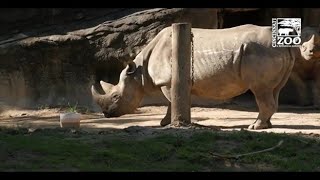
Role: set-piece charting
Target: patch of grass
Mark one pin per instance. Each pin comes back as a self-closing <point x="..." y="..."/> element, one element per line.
<point x="43" y="107"/>
<point x="75" y="108"/>
<point x="65" y="150"/>
<point x="72" y="108"/>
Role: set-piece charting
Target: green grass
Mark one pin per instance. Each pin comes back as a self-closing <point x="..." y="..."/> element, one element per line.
<point x="72" y="108"/>
<point x="62" y="150"/>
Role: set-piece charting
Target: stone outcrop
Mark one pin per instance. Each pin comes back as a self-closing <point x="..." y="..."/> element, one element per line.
<point x="54" y="63"/>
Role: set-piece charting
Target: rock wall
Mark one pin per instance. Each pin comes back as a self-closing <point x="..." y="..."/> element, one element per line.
<point x="53" y="61"/>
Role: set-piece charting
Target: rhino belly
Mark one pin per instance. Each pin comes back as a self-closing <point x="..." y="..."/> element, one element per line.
<point x="218" y="88"/>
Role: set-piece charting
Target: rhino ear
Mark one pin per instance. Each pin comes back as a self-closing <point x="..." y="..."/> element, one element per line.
<point x="131" y="69"/>
<point x="106" y="86"/>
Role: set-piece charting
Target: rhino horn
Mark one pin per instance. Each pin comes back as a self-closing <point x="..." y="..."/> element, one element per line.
<point x="311" y="39"/>
<point x="106" y="86"/>
<point x="131" y="68"/>
<point x="95" y="94"/>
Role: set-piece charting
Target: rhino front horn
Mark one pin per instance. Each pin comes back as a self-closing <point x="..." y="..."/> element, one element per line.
<point x="95" y="94"/>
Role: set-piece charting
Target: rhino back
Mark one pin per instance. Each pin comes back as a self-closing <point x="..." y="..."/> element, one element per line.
<point x="231" y="38"/>
<point x="221" y="68"/>
<point x="213" y="50"/>
<point x="218" y="56"/>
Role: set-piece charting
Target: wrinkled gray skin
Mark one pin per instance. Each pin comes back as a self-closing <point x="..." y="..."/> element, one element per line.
<point x="227" y="62"/>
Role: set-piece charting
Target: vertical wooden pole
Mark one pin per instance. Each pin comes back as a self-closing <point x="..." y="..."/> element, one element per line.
<point x="181" y="83"/>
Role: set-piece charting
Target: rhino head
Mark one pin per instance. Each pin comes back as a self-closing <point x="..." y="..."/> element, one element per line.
<point x="310" y="47"/>
<point x="122" y="98"/>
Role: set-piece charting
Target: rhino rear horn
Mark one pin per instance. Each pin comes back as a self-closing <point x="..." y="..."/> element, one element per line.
<point x="131" y="68"/>
<point x="106" y="86"/>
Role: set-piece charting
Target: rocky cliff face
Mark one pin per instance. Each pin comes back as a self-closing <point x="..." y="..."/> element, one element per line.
<point x="51" y="56"/>
<point x="56" y="59"/>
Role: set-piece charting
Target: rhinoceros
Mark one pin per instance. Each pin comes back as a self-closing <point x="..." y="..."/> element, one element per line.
<point x="227" y="63"/>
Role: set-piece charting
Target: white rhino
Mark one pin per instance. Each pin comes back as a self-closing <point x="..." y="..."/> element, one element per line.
<point x="284" y="31"/>
<point x="227" y="63"/>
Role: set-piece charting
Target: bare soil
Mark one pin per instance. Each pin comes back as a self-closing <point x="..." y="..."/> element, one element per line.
<point x="289" y="119"/>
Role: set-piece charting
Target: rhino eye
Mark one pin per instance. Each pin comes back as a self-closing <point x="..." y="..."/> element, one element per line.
<point x="115" y="97"/>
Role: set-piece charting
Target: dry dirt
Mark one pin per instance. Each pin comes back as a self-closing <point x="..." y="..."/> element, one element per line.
<point x="289" y="119"/>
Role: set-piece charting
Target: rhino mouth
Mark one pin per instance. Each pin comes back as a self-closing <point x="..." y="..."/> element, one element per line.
<point x="107" y="115"/>
<point x="110" y="115"/>
<point x="310" y="56"/>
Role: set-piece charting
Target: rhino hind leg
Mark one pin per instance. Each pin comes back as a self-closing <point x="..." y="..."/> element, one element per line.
<point x="276" y="93"/>
<point x="267" y="107"/>
<point x="268" y="103"/>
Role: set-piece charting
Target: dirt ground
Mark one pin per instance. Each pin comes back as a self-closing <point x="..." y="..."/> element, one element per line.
<point x="288" y="119"/>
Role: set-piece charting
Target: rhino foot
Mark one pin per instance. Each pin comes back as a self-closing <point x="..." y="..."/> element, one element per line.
<point x="258" y="124"/>
<point x="165" y="121"/>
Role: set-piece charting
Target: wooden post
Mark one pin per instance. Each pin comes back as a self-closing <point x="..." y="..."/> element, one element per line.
<point x="181" y="83"/>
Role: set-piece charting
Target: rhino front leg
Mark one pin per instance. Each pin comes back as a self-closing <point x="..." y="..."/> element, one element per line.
<point x="167" y="118"/>
<point x="267" y="107"/>
<point x="316" y="87"/>
<point x="302" y="96"/>
<point x="316" y="93"/>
